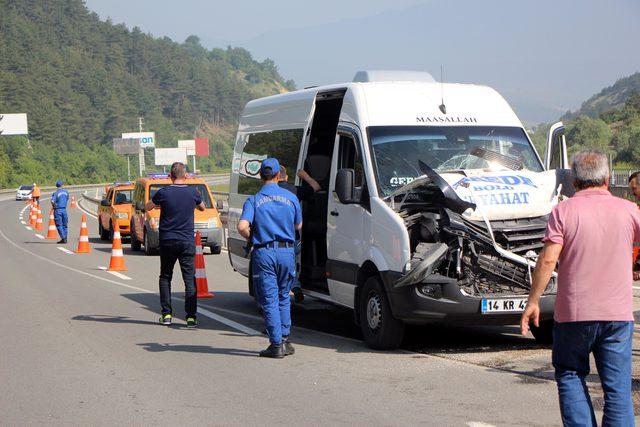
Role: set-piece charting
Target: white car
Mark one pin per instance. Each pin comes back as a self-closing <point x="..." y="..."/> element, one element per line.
<point x="24" y="192"/>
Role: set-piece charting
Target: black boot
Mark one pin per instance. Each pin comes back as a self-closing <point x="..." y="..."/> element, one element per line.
<point x="61" y="241"/>
<point x="274" y="351"/>
<point x="288" y="347"/>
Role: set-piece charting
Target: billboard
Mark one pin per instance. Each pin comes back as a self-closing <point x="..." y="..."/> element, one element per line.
<point x="189" y="145"/>
<point x="166" y="156"/>
<point x="126" y="146"/>
<point x="13" y="124"/>
<point x="147" y="139"/>
<point x="202" y="147"/>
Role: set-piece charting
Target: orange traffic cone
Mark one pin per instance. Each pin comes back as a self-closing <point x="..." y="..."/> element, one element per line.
<point x="33" y="215"/>
<point x="73" y="202"/>
<point x="202" y="286"/>
<point x="38" y="219"/>
<point x="52" y="233"/>
<point x="117" y="258"/>
<point x="83" y="241"/>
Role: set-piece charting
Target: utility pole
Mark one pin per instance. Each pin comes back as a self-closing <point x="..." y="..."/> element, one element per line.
<point x="141" y="150"/>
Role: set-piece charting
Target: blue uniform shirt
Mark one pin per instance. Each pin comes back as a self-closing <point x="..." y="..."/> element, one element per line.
<point x="272" y="213"/>
<point x="60" y="198"/>
<point x="177" y="203"/>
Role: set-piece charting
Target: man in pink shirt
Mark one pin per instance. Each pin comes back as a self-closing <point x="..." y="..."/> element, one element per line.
<point x="591" y="236"/>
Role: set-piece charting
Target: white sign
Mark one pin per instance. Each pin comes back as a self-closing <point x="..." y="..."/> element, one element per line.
<point x="167" y="156"/>
<point x="147" y="139"/>
<point x="189" y="145"/>
<point x="250" y="165"/>
<point x="13" y="124"/>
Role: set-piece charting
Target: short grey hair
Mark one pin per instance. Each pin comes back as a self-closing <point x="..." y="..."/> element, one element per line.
<point x="590" y="169"/>
<point x="178" y="170"/>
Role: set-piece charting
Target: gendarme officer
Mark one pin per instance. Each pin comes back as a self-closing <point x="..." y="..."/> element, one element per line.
<point x="270" y="219"/>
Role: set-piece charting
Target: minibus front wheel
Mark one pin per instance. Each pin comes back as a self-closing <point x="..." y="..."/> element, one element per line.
<point x="381" y="331"/>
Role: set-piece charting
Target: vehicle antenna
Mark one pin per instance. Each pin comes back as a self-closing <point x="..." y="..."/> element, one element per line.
<point x="442" y="107"/>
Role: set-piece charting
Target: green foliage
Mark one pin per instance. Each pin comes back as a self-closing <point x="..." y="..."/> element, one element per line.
<point x="615" y="132"/>
<point x="83" y="81"/>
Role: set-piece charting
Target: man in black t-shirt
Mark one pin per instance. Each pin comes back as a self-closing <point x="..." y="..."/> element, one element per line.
<point x="177" y="202"/>
<point x="302" y="192"/>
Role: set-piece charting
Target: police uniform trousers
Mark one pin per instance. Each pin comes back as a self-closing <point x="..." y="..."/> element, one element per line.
<point x="61" y="219"/>
<point x="274" y="271"/>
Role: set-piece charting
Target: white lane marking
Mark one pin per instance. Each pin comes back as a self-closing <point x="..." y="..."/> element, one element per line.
<point x="81" y="206"/>
<point x="23" y="223"/>
<point x="115" y="273"/>
<point x="28" y="228"/>
<point x="479" y="424"/>
<point x="205" y="313"/>
<point x="65" y="250"/>
<point x="39" y="236"/>
<point x="228" y="322"/>
<point x="636" y="287"/>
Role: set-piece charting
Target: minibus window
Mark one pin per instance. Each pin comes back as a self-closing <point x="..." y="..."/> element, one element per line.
<point x="397" y="149"/>
<point x="284" y="145"/>
<point x="202" y="189"/>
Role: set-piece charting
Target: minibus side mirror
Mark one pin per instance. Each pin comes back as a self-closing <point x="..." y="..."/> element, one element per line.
<point x="219" y="205"/>
<point x="344" y="185"/>
<point x="140" y="206"/>
<point x="105" y="202"/>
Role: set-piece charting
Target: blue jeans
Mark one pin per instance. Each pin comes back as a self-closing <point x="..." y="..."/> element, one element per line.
<point x="61" y="219"/>
<point x="274" y="270"/>
<point x="610" y="343"/>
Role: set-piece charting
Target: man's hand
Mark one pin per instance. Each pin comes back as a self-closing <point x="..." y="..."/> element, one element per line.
<point x="531" y="312"/>
<point x="307" y="178"/>
<point x="201" y="207"/>
<point x="244" y="228"/>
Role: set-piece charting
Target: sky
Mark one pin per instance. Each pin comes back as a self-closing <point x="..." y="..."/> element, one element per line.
<point x="544" y="56"/>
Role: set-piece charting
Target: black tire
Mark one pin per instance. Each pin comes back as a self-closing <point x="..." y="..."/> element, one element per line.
<point x="135" y="243"/>
<point x="543" y="333"/>
<point x="380" y="330"/>
<point x="147" y="249"/>
<point x="215" y="250"/>
<point x="110" y="232"/>
<point x="104" y="234"/>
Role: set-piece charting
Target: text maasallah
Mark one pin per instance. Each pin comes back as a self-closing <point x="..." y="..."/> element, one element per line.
<point x="443" y="119"/>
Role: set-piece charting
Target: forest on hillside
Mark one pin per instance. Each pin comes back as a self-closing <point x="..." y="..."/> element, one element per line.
<point x="83" y="81"/>
<point x="615" y="132"/>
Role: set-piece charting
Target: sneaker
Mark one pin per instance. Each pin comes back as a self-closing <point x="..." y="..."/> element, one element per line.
<point x="289" y="349"/>
<point x="165" y="319"/>
<point x="191" y="322"/>
<point x="274" y="351"/>
<point x="61" y="241"/>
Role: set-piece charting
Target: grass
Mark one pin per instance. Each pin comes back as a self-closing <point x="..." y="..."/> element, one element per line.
<point x="220" y="187"/>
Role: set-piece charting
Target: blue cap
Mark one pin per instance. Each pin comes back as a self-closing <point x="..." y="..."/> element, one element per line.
<point x="269" y="167"/>
<point x="59" y="183"/>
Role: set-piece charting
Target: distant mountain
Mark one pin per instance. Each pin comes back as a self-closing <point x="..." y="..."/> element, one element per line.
<point x="545" y="56"/>
<point x="83" y="81"/>
<point x="612" y="97"/>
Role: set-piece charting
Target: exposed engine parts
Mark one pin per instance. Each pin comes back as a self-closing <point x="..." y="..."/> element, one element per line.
<point x="445" y="243"/>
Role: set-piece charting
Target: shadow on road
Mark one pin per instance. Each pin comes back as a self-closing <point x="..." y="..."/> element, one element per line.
<point x="112" y="319"/>
<point x="205" y="349"/>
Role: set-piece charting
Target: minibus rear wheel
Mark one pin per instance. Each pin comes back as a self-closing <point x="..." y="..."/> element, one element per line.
<point x="381" y="331"/>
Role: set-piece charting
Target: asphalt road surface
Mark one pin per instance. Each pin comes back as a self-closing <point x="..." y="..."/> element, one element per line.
<point x="81" y="346"/>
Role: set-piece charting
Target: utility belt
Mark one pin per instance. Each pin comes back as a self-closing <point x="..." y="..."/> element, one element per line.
<point x="275" y="244"/>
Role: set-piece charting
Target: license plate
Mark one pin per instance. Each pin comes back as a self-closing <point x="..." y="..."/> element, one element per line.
<point x="503" y="305"/>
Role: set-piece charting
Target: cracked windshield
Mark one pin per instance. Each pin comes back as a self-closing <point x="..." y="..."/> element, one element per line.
<point x="397" y="150"/>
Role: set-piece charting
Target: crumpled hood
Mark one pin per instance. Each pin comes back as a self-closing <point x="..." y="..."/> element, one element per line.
<point x="506" y="194"/>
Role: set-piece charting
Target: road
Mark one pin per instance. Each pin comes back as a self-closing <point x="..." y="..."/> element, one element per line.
<point x="82" y="346"/>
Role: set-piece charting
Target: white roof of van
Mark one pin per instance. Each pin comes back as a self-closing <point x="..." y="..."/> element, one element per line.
<point x="387" y="103"/>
